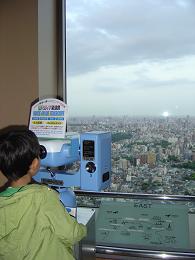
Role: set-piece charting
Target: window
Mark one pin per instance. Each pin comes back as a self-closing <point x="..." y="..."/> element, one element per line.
<point x="130" y="70"/>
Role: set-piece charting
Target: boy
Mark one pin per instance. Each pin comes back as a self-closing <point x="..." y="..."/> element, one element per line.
<point x="34" y="225"/>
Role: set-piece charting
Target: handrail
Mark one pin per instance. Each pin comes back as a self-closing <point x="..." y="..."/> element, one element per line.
<point x="139" y="253"/>
<point x="134" y="195"/>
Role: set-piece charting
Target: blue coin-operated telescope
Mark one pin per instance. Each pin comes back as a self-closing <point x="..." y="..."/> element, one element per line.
<point x="91" y="151"/>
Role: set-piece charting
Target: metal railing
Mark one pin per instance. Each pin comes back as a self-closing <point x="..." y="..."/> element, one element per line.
<point x="134" y="195"/>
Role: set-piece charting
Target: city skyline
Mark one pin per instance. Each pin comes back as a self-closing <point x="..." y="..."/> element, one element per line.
<point x="131" y="58"/>
<point x="149" y="155"/>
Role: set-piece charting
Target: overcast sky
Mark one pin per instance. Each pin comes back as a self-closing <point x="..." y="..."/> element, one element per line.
<point x="131" y="57"/>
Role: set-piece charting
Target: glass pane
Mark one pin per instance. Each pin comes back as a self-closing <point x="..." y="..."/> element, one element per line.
<point x="130" y="70"/>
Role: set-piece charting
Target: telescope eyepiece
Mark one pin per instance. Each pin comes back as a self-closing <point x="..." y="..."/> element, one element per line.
<point x="43" y="152"/>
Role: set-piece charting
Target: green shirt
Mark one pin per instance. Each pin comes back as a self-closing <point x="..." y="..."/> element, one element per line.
<point x="10" y="191"/>
<point x="34" y="225"/>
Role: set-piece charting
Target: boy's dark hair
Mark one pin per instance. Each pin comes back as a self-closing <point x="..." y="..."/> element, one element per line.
<point x="17" y="151"/>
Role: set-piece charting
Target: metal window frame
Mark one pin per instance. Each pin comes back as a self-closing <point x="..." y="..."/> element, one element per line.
<point x="61" y="38"/>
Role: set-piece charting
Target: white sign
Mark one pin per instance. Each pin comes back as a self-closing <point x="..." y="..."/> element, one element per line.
<point x="48" y="118"/>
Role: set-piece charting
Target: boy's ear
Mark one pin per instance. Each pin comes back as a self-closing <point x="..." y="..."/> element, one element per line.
<point x="34" y="166"/>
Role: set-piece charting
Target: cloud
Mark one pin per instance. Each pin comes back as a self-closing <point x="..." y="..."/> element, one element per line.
<point x="145" y="75"/>
<point x="131" y="57"/>
<point x="127" y="32"/>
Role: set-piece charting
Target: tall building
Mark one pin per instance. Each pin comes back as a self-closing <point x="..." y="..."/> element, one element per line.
<point x="151" y="159"/>
<point x="143" y="159"/>
<point x="193" y="154"/>
<point x="123" y="164"/>
<point x="193" y="137"/>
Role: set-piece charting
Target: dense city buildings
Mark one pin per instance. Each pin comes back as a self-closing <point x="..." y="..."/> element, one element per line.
<point x="149" y="154"/>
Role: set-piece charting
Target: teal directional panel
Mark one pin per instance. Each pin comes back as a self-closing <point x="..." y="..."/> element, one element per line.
<point x="143" y="223"/>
